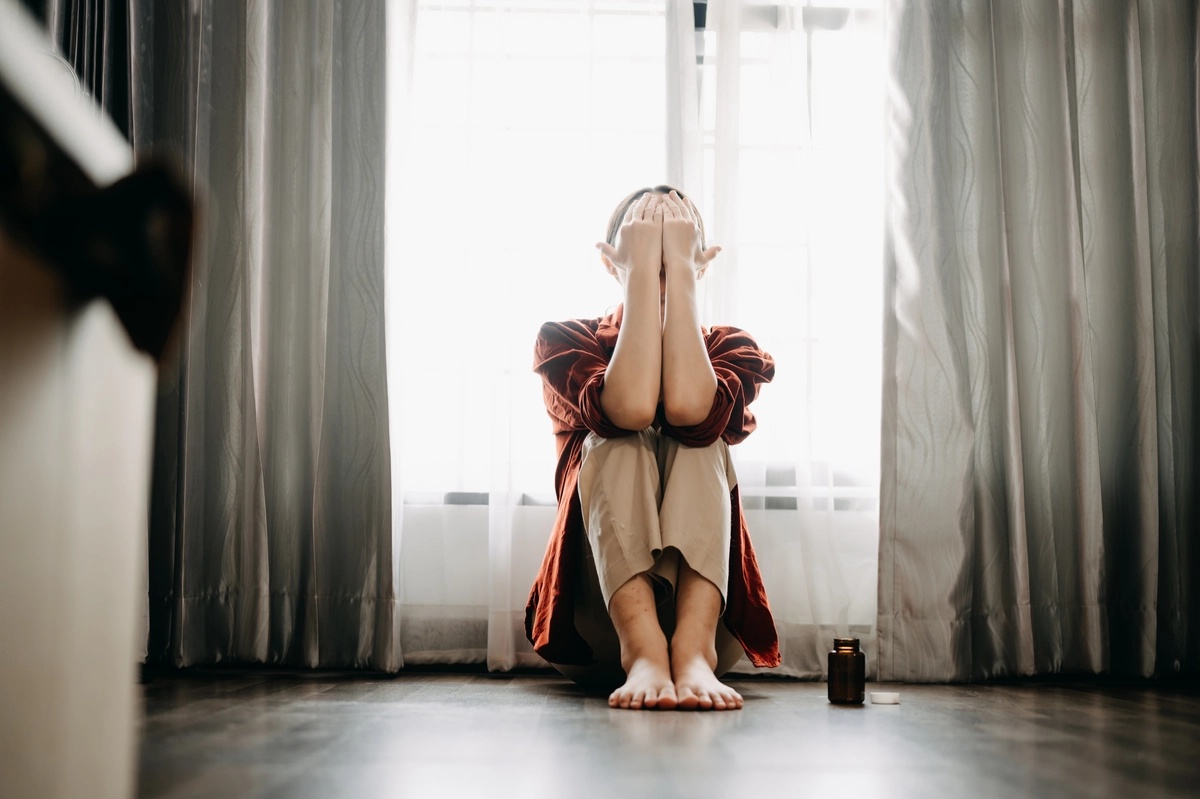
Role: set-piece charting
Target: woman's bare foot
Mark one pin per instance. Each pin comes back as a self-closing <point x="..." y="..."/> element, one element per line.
<point x="696" y="686"/>
<point x="647" y="685"/>
<point x="643" y="649"/>
<point x="693" y="646"/>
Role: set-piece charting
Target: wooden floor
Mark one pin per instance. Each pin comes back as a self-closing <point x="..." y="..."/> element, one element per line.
<point x="260" y="734"/>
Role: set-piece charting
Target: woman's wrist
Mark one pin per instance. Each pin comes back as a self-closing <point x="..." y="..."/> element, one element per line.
<point x="641" y="277"/>
<point x="681" y="270"/>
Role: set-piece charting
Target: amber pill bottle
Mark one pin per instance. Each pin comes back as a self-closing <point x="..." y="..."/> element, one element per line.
<point x="847" y="672"/>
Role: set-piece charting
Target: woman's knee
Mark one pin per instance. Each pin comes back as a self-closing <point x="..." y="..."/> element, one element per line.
<point x="716" y="451"/>
<point x="640" y="442"/>
<point x="604" y="459"/>
<point x="701" y="465"/>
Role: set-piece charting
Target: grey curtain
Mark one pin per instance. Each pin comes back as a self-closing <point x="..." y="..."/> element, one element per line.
<point x="1040" y="422"/>
<point x="271" y="528"/>
<point x="93" y="37"/>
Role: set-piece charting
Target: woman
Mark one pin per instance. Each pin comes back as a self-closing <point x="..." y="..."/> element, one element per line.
<point x="649" y="579"/>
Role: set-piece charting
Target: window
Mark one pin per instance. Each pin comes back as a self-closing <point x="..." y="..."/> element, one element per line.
<point x="809" y="166"/>
<point x="529" y="122"/>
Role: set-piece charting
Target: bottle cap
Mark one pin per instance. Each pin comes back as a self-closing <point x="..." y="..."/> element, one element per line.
<point x="885" y="698"/>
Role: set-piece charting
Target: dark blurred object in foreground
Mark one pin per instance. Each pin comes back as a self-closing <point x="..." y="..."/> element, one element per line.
<point x="129" y="242"/>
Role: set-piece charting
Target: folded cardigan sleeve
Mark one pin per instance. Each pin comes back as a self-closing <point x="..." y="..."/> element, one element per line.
<point x="572" y="361"/>
<point x="741" y="368"/>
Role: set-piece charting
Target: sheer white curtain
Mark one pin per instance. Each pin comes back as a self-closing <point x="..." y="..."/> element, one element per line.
<point x="526" y="122"/>
<point x="519" y="125"/>
<point x="791" y="115"/>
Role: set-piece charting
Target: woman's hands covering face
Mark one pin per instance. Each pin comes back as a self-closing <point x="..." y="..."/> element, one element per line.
<point x="681" y="242"/>
<point x="639" y="239"/>
<point x="657" y="231"/>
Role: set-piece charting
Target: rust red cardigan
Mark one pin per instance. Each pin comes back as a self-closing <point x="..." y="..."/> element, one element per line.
<point x="571" y="358"/>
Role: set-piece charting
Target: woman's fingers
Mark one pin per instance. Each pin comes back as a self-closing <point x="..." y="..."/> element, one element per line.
<point x="643" y="205"/>
<point x="681" y="233"/>
<point x="646" y="205"/>
<point x="679" y="212"/>
<point x="670" y="209"/>
<point x="684" y="207"/>
<point x="639" y="239"/>
<point x="635" y="209"/>
<point x="692" y="211"/>
<point x="680" y="209"/>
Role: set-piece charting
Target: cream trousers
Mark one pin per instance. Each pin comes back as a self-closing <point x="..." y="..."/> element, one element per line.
<point x="647" y="502"/>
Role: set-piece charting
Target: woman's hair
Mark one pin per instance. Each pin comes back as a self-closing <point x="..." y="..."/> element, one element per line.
<point x="614" y="222"/>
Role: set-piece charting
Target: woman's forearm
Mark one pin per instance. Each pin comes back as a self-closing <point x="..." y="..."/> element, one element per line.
<point x="689" y="383"/>
<point x="632" y="381"/>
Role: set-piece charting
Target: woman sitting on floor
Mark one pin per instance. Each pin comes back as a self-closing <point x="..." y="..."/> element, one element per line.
<point x="650" y="548"/>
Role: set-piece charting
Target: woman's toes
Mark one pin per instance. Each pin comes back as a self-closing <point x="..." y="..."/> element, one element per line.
<point x="647" y="682"/>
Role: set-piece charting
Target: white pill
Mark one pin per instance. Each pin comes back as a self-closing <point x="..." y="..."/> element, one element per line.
<point x="885" y="698"/>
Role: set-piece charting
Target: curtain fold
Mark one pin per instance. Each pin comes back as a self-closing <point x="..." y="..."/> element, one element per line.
<point x="271" y="522"/>
<point x="1038" y="507"/>
<point x="684" y="146"/>
<point x="93" y="36"/>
